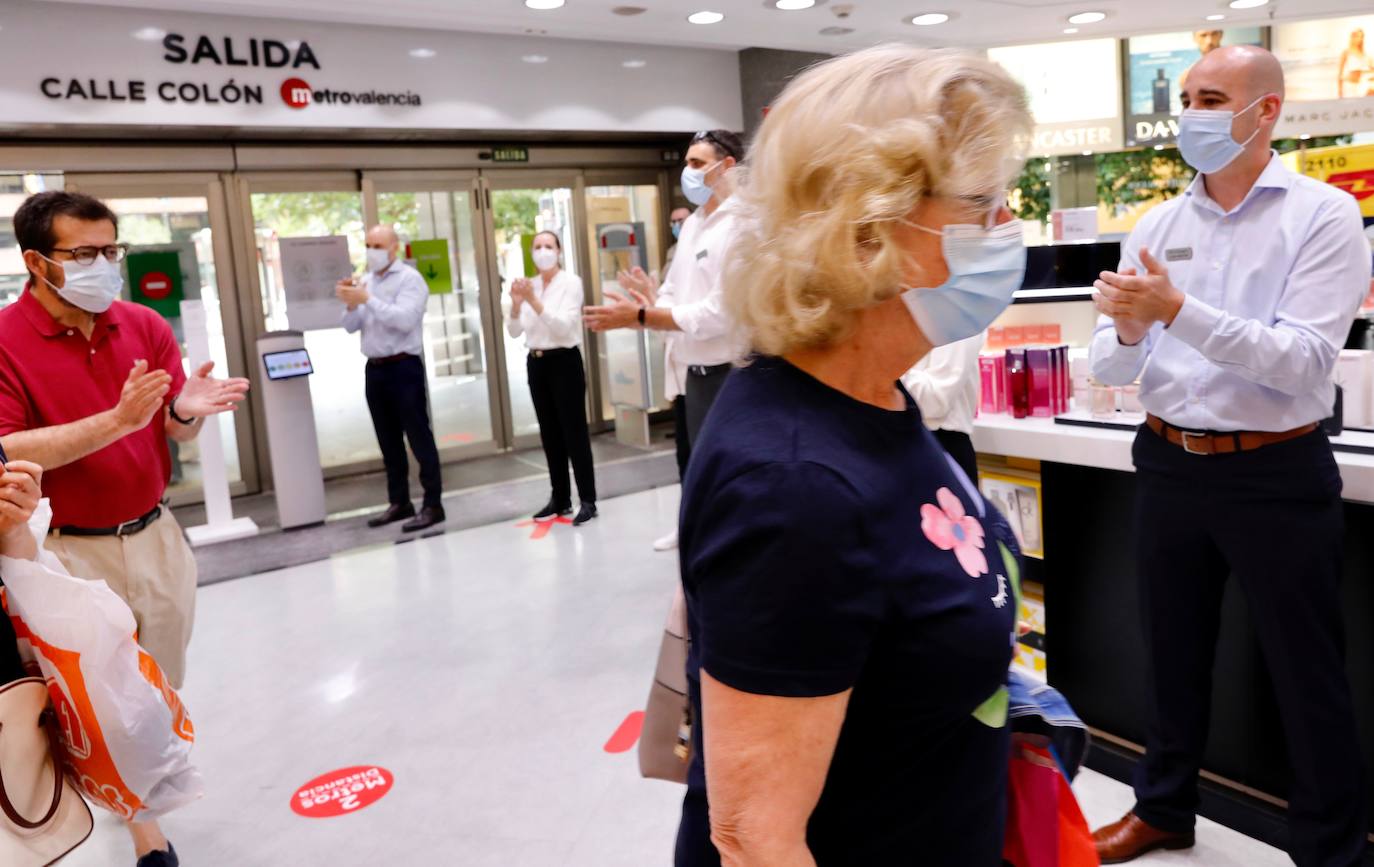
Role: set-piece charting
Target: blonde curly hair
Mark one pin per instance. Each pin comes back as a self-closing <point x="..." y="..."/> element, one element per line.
<point x="851" y="147"/>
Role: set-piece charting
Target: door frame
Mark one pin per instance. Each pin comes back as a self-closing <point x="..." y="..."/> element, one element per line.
<point x="496" y="180"/>
<point x="211" y="187"/>
<point x="455" y="181"/>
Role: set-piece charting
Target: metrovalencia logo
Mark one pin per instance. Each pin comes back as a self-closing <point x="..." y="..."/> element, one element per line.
<point x="297" y="94"/>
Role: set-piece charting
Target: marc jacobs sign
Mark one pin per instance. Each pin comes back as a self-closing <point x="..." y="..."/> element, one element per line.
<point x="249" y="54"/>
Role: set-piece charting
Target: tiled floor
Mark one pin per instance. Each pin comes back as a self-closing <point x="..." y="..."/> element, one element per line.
<point x="485" y="669"/>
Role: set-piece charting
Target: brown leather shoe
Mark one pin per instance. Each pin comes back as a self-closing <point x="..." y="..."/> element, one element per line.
<point x="1132" y="837"/>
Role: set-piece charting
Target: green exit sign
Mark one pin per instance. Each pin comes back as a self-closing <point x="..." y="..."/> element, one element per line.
<point x="510" y="154"/>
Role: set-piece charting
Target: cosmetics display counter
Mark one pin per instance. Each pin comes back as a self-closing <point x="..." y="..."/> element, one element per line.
<point x="1092" y="640"/>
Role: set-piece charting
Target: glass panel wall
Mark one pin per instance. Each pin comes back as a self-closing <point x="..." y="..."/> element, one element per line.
<point x="455" y="347"/>
<point x="342" y="421"/>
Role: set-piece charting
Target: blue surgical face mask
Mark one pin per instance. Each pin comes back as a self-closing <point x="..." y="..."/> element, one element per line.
<point x="1204" y="138"/>
<point x="986" y="267"/>
<point x="93" y="288"/>
<point x="677" y="230"/>
<point x="694" y="185"/>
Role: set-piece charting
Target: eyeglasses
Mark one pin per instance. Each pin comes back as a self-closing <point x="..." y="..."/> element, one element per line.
<point x="87" y="255"/>
<point x="989" y="207"/>
<point x="708" y="136"/>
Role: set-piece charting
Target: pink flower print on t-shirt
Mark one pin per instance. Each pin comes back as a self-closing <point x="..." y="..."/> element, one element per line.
<point x="949" y="528"/>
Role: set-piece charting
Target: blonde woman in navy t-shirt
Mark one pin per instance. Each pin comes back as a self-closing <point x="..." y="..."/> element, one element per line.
<point x="851" y="596"/>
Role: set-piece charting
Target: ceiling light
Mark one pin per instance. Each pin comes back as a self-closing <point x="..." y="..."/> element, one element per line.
<point x="1217" y="17"/>
<point x="793" y="5"/>
<point x="1248" y="4"/>
<point x="149" y="34"/>
<point x="1088" y="17"/>
<point x="544" y="5"/>
<point x="1087" y="153"/>
<point x="422" y="53"/>
<point x="1305" y="136"/>
<point x="928" y="19"/>
<point x="635" y="64"/>
<point x="1070" y="30"/>
<point x="535" y="58"/>
<point x="706" y="17"/>
<point x="836" y="31"/>
<point x="1159" y="147"/>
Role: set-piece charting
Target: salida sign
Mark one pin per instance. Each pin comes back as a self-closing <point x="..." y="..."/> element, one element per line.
<point x="250" y="54"/>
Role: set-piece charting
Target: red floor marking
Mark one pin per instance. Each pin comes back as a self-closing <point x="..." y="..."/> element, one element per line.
<point x="459" y="438"/>
<point x="543" y="528"/>
<point x="341" y="792"/>
<point x="627" y="735"/>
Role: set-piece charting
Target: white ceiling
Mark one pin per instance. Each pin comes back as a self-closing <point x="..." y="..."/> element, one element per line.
<point x="975" y="23"/>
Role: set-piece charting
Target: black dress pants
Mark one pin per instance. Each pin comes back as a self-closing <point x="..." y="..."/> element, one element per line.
<point x="558" y="386"/>
<point x="959" y="445"/>
<point x="703" y="386"/>
<point x="398" y="402"/>
<point x="1273" y="518"/>
<point x="681" y="439"/>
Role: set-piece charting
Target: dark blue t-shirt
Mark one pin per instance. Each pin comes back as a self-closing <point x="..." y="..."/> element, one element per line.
<point x="829" y="544"/>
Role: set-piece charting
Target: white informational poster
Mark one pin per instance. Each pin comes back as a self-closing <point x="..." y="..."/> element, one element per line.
<point x="311" y="267"/>
<point x="1328" y="68"/>
<point x="1075" y="93"/>
<point x="1074" y="225"/>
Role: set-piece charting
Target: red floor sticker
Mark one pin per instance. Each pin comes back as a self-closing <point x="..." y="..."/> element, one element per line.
<point x="627" y="735"/>
<point x="459" y="438"/>
<point x="341" y="792"/>
<point x="542" y="528"/>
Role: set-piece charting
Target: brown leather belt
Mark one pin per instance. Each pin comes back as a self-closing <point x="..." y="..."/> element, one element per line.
<point x="1209" y="443"/>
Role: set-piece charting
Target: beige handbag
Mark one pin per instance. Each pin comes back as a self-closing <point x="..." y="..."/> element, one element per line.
<point x="665" y="744"/>
<point x="42" y="816"/>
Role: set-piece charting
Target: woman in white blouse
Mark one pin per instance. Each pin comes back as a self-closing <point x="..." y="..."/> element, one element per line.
<point x="548" y="312"/>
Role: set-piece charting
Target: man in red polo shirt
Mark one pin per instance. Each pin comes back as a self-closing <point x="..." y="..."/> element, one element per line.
<point x="91" y="388"/>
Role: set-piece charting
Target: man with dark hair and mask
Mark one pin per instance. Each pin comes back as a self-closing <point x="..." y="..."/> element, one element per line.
<point x="91" y="389"/>
<point x="702" y="344"/>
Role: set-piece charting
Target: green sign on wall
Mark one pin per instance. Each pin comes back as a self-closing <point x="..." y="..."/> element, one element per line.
<point x="155" y="281"/>
<point x="431" y="260"/>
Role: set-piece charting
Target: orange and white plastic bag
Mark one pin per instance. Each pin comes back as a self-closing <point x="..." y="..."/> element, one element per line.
<point x="127" y="734"/>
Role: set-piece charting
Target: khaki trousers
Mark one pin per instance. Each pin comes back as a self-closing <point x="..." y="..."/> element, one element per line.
<point x="154" y="571"/>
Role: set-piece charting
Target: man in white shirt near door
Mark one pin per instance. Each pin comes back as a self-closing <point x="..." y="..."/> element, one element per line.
<point x="388" y="307"/>
<point x="690" y="304"/>
<point x="1232" y="304"/>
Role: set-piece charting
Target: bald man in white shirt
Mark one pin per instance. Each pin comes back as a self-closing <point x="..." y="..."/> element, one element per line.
<point x="1232" y="304"/>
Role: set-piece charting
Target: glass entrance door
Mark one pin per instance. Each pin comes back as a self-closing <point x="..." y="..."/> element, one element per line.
<point x="287" y="214"/>
<point x="177" y="226"/>
<point x="438" y="217"/>
<point x="523" y="204"/>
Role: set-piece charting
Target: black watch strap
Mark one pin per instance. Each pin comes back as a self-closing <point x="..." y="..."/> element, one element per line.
<point x="642" y="310"/>
<point x="172" y="411"/>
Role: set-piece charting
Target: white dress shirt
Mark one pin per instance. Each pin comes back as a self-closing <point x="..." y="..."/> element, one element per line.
<point x="560" y="325"/>
<point x="693" y="292"/>
<point x="1271" y="286"/>
<point x="944" y="385"/>
<point x="393" y="319"/>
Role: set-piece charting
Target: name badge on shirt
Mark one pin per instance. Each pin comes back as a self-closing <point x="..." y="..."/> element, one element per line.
<point x="702" y="254"/>
<point x="1178" y="254"/>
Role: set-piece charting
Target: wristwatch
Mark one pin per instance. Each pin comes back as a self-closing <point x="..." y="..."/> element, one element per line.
<point x="172" y="411"/>
<point x="641" y="316"/>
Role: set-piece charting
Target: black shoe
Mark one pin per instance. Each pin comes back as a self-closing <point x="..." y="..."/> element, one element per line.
<point x="586" y="514"/>
<point x="392" y="514"/>
<point x="553" y="509"/>
<point x="159" y="858"/>
<point x="428" y="517"/>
